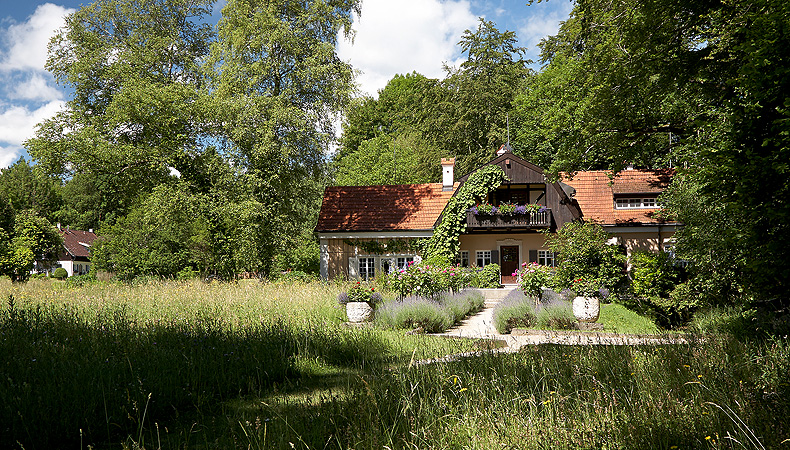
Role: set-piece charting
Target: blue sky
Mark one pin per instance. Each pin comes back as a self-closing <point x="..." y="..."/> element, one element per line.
<point x="391" y="37"/>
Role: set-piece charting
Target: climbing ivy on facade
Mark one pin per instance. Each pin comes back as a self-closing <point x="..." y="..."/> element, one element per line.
<point x="445" y="242"/>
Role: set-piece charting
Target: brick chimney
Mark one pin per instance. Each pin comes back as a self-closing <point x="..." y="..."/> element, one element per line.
<point x="448" y="178"/>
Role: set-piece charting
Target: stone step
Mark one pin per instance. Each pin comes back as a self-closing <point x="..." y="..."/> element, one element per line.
<point x="496" y="295"/>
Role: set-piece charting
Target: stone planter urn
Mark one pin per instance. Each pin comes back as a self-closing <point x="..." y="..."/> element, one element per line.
<point x="586" y="309"/>
<point x="359" y="312"/>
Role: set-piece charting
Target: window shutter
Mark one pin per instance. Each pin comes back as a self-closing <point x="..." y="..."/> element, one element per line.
<point x="353" y="265"/>
<point x="533" y="256"/>
<point x="494" y="256"/>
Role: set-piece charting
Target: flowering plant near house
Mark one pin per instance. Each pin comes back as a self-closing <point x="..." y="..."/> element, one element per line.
<point x="486" y="208"/>
<point x="427" y="280"/>
<point x="533" y="277"/>
<point x="360" y="293"/>
<point x="506" y="209"/>
<point x="586" y="287"/>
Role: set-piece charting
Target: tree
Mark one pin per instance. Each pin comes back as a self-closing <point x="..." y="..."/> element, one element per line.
<point x="274" y="99"/>
<point x="473" y="115"/>
<point x="617" y="86"/>
<point x="700" y="84"/>
<point x="134" y="67"/>
<point x="25" y="187"/>
<point x="464" y="115"/>
<point x="404" y="158"/>
<point x="245" y="126"/>
<point x="32" y="238"/>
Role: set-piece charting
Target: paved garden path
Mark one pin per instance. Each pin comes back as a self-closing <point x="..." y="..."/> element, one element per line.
<point x="480" y="326"/>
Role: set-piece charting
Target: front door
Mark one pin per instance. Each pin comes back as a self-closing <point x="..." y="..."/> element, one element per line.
<point x="508" y="262"/>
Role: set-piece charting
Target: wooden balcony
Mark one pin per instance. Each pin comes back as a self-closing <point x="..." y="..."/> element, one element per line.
<point x="535" y="220"/>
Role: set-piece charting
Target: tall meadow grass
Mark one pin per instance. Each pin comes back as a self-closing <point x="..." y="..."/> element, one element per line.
<point x="96" y="363"/>
<point x="260" y="366"/>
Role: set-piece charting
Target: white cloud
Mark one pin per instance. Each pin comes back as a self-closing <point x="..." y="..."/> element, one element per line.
<point x="9" y="155"/>
<point x="33" y="96"/>
<point x="405" y="36"/>
<point x="17" y="124"/>
<point x="543" y="20"/>
<point x="35" y="87"/>
<point x="27" y="41"/>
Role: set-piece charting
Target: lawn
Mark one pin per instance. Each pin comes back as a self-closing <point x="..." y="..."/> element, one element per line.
<point x="253" y="365"/>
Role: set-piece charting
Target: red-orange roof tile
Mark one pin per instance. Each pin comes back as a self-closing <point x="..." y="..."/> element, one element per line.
<point x="382" y="208"/>
<point x="596" y="191"/>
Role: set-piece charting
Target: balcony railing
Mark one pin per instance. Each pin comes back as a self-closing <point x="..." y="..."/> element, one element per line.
<point x="540" y="219"/>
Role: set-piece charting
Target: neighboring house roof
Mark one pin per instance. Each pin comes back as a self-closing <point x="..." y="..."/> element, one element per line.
<point x="77" y="243"/>
<point x="382" y="208"/>
<point x="596" y="192"/>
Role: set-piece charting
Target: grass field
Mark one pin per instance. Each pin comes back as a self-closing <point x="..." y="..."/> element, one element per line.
<point x="251" y="365"/>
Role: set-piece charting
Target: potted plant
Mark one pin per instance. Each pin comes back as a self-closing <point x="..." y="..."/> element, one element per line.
<point x="586" y="304"/>
<point x="360" y="301"/>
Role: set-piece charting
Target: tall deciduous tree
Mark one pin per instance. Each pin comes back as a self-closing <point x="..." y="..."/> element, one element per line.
<point x="480" y="93"/>
<point x="134" y="67"/>
<point x="25" y="187"/>
<point x="32" y="238"/>
<point x="464" y="115"/>
<point x="700" y="84"/>
<point x="277" y="85"/>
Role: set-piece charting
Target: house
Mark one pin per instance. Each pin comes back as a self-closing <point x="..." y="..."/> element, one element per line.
<point x="365" y="230"/>
<point x="75" y="257"/>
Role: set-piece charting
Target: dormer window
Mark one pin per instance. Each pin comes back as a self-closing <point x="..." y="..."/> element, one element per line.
<point x="636" y="203"/>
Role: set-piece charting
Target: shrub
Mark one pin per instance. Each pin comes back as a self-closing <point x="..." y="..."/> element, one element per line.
<point x="414" y="312"/>
<point x="81" y="280"/>
<point x="533" y="277"/>
<point x="584" y="254"/>
<point x="463" y="303"/>
<point x="653" y="274"/>
<point x="426" y="280"/>
<point x="60" y="273"/>
<point x="516" y="310"/>
<point x="186" y="274"/>
<point x="297" y="276"/>
<point x="555" y="315"/>
<point x="486" y="278"/>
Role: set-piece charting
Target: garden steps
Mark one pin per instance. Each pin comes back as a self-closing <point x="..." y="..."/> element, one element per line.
<point x="481" y="325"/>
<point x="495" y="295"/>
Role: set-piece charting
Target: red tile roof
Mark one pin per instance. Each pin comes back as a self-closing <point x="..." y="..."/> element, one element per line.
<point x="418" y="206"/>
<point x="596" y="191"/>
<point x="382" y="208"/>
<point x="78" y="242"/>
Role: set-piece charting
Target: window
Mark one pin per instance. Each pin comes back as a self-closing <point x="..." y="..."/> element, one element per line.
<point x="387" y="265"/>
<point x="636" y="203"/>
<point x="483" y="258"/>
<point x="546" y="258"/>
<point x="462" y="259"/>
<point x="677" y="262"/>
<point x="405" y="261"/>
<point x="367" y="268"/>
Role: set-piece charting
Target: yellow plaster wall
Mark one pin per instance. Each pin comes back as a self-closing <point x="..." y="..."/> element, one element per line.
<point x="528" y="241"/>
<point x="642" y="241"/>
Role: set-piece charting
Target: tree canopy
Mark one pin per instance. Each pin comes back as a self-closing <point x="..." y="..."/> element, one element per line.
<point x="463" y="115"/>
<point x="698" y="85"/>
<point x="168" y="113"/>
